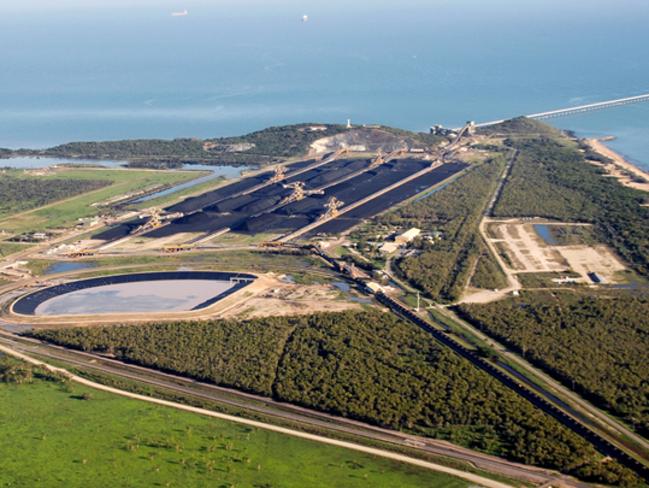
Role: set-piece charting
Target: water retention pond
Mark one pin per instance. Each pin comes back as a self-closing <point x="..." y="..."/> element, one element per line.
<point x="178" y="291"/>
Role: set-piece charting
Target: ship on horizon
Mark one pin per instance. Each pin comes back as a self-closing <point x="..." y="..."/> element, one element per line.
<point x="184" y="13"/>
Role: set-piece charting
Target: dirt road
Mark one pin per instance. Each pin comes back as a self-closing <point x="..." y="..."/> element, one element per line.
<point x="473" y="478"/>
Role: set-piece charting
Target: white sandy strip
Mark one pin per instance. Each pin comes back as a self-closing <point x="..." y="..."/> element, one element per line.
<point x="473" y="478"/>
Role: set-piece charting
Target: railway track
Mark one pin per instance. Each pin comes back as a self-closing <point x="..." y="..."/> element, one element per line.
<point x="600" y="443"/>
<point x="284" y="412"/>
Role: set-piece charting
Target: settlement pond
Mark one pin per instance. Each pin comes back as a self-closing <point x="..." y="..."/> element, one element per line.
<point x="545" y="232"/>
<point x="68" y="267"/>
<point x="178" y="291"/>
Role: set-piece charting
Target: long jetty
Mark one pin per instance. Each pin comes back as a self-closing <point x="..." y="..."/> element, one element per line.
<point x="578" y="109"/>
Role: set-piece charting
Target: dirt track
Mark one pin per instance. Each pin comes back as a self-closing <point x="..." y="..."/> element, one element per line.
<point x="473" y="478"/>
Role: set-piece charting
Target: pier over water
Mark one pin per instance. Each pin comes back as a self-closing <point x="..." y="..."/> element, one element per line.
<point x="578" y="109"/>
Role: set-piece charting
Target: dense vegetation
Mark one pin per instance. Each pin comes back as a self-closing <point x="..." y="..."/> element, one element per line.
<point x="520" y="126"/>
<point x="598" y="344"/>
<point x="81" y="437"/>
<point x="259" y="147"/>
<point x="237" y="354"/>
<point x="551" y="179"/>
<point x="13" y="371"/>
<point x="364" y="365"/>
<point x="442" y="267"/>
<point x="284" y="141"/>
<point x="488" y="274"/>
<point x="19" y="193"/>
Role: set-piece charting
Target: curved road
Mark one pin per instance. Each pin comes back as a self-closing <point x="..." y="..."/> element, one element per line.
<point x="287" y="412"/>
<point x="473" y="478"/>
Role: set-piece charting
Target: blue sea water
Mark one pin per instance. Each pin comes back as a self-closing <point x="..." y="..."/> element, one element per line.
<point x="108" y="69"/>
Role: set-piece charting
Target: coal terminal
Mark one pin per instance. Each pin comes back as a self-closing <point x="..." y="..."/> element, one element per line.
<point x="272" y="207"/>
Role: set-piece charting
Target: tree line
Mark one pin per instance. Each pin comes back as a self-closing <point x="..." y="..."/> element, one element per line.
<point x="366" y="365"/>
<point x="595" y="344"/>
<point x="19" y="193"/>
<point x="260" y="147"/>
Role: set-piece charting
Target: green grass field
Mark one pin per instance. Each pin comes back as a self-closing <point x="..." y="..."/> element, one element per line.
<point x="66" y="212"/>
<point x="52" y="436"/>
<point x="222" y="260"/>
<point x="8" y="248"/>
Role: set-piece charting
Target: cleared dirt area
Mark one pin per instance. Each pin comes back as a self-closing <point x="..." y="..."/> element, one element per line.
<point x="280" y="298"/>
<point x="599" y="259"/>
<point x="362" y="139"/>
<point x="525" y="251"/>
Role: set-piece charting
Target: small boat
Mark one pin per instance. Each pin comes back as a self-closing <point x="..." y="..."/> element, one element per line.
<point x="180" y="14"/>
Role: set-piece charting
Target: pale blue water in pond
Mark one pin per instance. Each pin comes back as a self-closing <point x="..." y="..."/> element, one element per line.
<point x="38" y="162"/>
<point x="342" y="286"/>
<point x="149" y="296"/>
<point x="100" y="69"/>
<point x="66" y="267"/>
<point x="545" y="233"/>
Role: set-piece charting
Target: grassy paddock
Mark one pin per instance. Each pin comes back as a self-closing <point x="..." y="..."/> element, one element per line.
<point x="66" y="212"/>
<point x="7" y="248"/>
<point x="74" y="436"/>
<point x="223" y="260"/>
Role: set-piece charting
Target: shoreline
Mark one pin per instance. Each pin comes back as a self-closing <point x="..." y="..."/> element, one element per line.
<point x="620" y="168"/>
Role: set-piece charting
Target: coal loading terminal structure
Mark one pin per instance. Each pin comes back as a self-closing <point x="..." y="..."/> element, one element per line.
<point x="337" y="192"/>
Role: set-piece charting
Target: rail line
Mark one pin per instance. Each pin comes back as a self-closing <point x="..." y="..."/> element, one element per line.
<point x="600" y="443"/>
<point x="604" y="446"/>
<point x="283" y="411"/>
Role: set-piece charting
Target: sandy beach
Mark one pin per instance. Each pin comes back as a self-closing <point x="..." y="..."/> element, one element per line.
<point x="620" y="168"/>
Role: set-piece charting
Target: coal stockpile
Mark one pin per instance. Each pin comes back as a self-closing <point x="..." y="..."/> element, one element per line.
<point x="334" y="226"/>
<point x="328" y="173"/>
<point x="231" y="204"/>
<point x="370" y="182"/>
<point x="303" y="164"/>
<point x="328" y="177"/>
<point x="222" y="208"/>
<point x="194" y="204"/>
<point x="199" y="202"/>
<point x="257" y="201"/>
<point x="199" y="222"/>
<point x="378" y="205"/>
<point x="260" y="204"/>
<point x="308" y="206"/>
<point x="405" y="191"/>
<point x="273" y="222"/>
<point x="119" y="231"/>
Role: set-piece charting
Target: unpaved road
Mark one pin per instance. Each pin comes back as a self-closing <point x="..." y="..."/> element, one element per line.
<point x="291" y="413"/>
<point x="473" y="478"/>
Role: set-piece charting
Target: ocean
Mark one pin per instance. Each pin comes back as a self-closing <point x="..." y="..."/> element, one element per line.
<point x="108" y="69"/>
